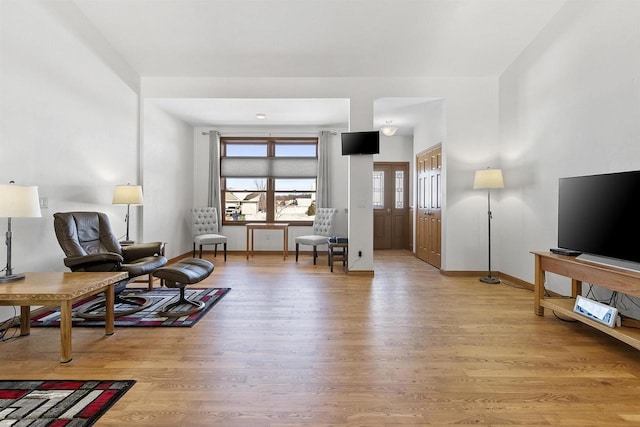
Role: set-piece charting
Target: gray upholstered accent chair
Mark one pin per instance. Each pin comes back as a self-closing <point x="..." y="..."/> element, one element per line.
<point x="323" y="228"/>
<point x="205" y="230"/>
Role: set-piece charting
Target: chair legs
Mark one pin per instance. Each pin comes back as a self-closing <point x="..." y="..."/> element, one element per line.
<point x="315" y="253"/>
<point x="215" y="250"/>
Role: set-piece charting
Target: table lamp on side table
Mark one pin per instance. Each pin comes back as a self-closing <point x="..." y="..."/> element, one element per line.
<point x="16" y="201"/>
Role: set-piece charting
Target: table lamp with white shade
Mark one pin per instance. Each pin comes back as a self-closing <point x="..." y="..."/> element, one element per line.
<point x="127" y="195"/>
<point x="16" y="201"/>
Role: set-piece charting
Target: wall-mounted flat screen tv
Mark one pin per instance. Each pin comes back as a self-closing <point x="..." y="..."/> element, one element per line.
<point x="599" y="215"/>
<point x="360" y="143"/>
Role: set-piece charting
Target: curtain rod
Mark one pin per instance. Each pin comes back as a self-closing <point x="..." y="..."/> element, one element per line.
<point x="265" y="133"/>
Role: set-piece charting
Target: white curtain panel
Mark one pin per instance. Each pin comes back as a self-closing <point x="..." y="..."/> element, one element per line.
<point x="322" y="193"/>
<point x="214" y="173"/>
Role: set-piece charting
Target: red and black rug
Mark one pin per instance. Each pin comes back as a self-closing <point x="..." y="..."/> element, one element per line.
<point x="53" y="403"/>
<point x="159" y="297"/>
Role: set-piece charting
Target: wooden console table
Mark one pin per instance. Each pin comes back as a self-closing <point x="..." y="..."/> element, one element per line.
<point x="60" y="289"/>
<point x="615" y="279"/>
<point x="252" y="226"/>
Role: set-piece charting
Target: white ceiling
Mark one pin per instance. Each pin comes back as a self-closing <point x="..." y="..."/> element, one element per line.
<point x="314" y="38"/>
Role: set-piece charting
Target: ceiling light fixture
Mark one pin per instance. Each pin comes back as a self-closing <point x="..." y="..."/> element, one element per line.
<point x="388" y="130"/>
<point x="261" y="116"/>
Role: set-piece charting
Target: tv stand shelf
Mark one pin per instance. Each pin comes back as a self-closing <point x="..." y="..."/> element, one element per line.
<point x="615" y="279"/>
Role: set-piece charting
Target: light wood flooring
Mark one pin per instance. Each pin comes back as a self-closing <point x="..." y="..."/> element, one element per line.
<point x="295" y="345"/>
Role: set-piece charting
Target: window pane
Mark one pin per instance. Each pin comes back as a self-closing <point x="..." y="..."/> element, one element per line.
<point x="295" y="150"/>
<point x="235" y="184"/>
<point x="399" y="189"/>
<point x="246" y="150"/>
<point x="245" y="206"/>
<point x="295" y="206"/>
<point x="378" y="189"/>
<point x="295" y="184"/>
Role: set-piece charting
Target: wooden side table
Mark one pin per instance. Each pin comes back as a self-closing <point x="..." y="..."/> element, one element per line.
<point x="252" y="226"/>
<point x="339" y="251"/>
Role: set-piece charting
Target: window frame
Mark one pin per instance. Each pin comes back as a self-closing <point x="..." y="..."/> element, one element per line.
<point x="271" y="142"/>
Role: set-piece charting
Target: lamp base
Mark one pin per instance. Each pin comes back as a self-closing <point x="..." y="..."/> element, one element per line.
<point x="490" y="279"/>
<point x="127" y="242"/>
<point x="11" y="278"/>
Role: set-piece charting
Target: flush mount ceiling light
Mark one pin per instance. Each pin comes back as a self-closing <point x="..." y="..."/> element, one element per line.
<point x="261" y="116"/>
<point x="388" y="130"/>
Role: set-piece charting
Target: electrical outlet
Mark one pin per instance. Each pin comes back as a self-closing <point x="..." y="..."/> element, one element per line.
<point x="44" y="202"/>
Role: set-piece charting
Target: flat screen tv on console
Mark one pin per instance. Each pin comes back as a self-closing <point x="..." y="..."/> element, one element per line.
<point x="360" y="143"/>
<point x="599" y="216"/>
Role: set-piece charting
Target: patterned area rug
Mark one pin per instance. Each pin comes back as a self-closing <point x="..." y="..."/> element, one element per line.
<point x="57" y="403"/>
<point x="159" y="297"/>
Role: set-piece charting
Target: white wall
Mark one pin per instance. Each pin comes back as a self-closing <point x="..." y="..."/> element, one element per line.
<point x="168" y="153"/>
<point x="69" y="123"/>
<point x="570" y="105"/>
<point x="396" y="148"/>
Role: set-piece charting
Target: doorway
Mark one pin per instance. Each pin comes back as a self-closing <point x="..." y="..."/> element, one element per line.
<point x="390" y="205"/>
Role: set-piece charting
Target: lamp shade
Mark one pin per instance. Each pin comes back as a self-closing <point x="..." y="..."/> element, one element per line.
<point x="488" y="178"/>
<point x="19" y="201"/>
<point x="127" y="195"/>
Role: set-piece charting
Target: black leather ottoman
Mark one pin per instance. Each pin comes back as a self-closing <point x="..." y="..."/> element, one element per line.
<point x="185" y="272"/>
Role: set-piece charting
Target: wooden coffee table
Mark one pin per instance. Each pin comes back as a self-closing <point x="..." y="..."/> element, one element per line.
<point x="60" y="289"/>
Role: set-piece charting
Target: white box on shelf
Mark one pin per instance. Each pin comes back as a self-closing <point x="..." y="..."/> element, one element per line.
<point x="597" y="311"/>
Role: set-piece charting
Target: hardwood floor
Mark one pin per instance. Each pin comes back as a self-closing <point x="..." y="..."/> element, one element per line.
<point x="293" y="344"/>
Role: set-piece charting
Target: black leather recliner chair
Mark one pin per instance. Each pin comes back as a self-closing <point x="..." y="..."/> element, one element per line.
<point x="89" y="245"/>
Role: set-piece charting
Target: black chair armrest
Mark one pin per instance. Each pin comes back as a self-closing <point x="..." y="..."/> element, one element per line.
<point x="141" y="250"/>
<point x="80" y="262"/>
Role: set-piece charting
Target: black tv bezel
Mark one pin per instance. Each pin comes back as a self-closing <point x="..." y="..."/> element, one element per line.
<point x="376" y="145"/>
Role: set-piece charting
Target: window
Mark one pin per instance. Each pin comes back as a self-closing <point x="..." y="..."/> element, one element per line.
<point x="378" y="189"/>
<point x="268" y="179"/>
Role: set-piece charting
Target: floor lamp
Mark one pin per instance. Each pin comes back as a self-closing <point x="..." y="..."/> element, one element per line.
<point x="127" y="195"/>
<point x="487" y="179"/>
<point x="16" y="201"/>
